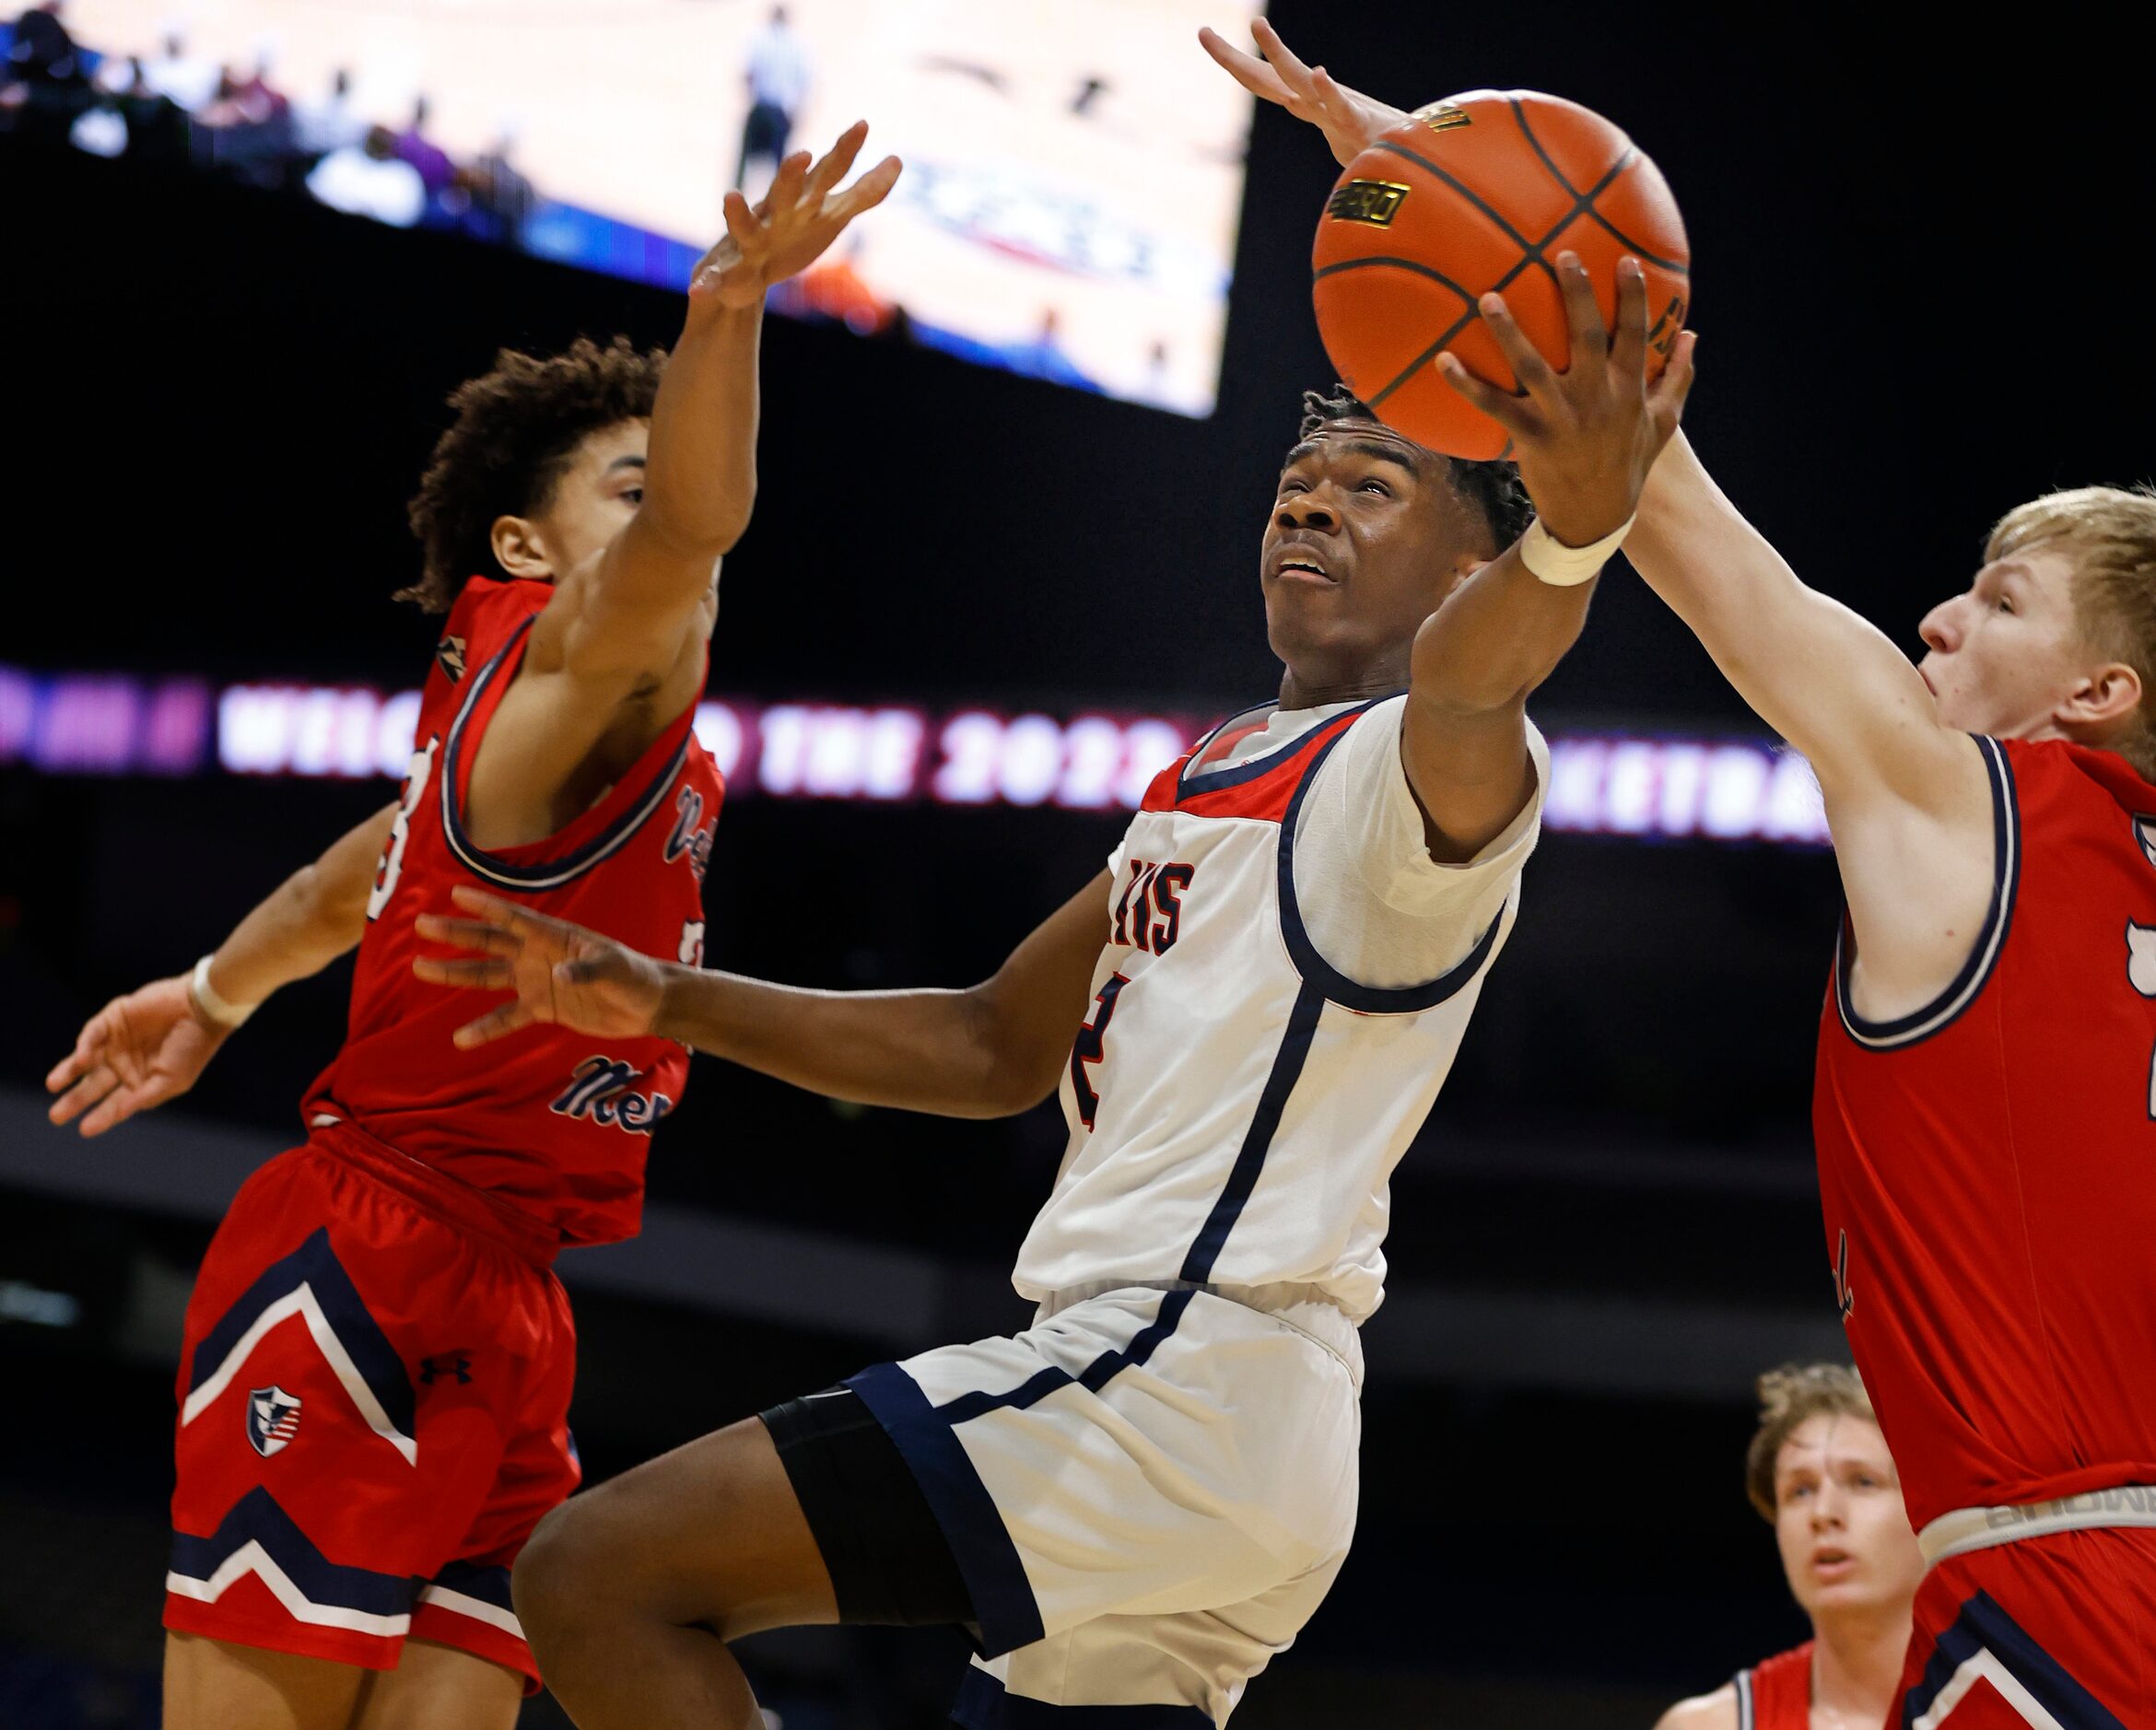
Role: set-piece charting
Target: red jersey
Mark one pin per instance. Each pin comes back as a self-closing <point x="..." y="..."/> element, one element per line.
<point x="552" y="1123"/>
<point x="1988" y="1164"/>
<point x="1775" y="1693"/>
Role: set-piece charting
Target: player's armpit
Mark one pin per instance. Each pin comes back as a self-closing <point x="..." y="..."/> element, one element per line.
<point x="1470" y="771"/>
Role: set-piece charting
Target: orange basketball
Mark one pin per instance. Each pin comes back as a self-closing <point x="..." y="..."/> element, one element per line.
<point x="1478" y="192"/>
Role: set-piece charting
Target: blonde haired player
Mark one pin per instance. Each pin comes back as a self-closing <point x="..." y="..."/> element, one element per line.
<point x="1986" y="1102"/>
<point x="1818" y="1470"/>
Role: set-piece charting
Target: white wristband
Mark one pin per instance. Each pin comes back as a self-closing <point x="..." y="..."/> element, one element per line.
<point x="211" y="1007"/>
<point x="1562" y="566"/>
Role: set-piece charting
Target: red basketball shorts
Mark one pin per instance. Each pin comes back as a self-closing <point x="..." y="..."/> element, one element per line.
<point x="2055" y="1631"/>
<point x="374" y="1394"/>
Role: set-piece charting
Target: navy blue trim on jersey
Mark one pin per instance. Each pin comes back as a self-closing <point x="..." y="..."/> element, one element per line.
<point x="489" y="1586"/>
<point x="1369" y="999"/>
<point x="257" y="1518"/>
<point x="985" y="1703"/>
<point x="1188" y="785"/>
<point x="1003" y="1605"/>
<point x="2005" y="872"/>
<point x="1983" y="1627"/>
<point x="315" y="1266"/>
<point x="1287" y="1069"/>
<point x="548" y="874"/>
<point x="1092" y="1378"/>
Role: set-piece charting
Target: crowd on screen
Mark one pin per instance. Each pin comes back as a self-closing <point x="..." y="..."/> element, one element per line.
<point x="171" y="105"/>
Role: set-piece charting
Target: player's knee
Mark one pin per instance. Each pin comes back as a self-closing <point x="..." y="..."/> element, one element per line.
<point x="550" y="1581"/>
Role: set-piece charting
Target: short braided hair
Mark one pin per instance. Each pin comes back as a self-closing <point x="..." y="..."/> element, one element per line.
<point x="516" y="431"/>
<point x="1493" y="488"/>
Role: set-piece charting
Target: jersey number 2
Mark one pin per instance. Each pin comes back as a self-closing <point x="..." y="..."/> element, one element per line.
<point x="392" y="859"/>
<point x="1088" y="1049"/>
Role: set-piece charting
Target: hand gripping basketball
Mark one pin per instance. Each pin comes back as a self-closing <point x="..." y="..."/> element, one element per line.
<point x="1584" y="437"/>
<point x="799" y="218"/>
<point x="561" y="973"/>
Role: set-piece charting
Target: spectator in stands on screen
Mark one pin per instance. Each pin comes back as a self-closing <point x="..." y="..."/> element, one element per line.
<point x="157" y="126"/>
<point x="328" y="123"/>
<point x="249" y="128"/>
<point x="370" y="179"/>
<point x="437" y="172"/>
<point x="46" y="86"/>
<point x="777" y="85"/>
<point x="499" y="197"/>
<point x="190" y="82"/>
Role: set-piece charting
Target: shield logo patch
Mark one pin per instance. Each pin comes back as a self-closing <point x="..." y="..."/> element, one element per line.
<point x="273" y="1419"/>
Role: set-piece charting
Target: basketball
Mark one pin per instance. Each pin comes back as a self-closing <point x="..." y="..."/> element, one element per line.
<point x="1477" y="192"/>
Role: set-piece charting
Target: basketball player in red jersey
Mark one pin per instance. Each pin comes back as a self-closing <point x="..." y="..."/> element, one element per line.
<point x="1985" y="1104"/>
<point x="376" y="1365"/>
<point x="1818" y="1470"/>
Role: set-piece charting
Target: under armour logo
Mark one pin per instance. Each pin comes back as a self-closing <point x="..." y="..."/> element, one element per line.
<point x="449" y="1364"/>
<point x="1845" y="1297"/>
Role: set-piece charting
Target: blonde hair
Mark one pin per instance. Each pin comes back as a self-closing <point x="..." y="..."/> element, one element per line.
<point x="2110" y="531"/>
<point x="1788" y="1398"/>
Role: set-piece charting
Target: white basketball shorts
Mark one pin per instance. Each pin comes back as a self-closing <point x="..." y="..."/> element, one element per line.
<point x="1147" y="1493"/>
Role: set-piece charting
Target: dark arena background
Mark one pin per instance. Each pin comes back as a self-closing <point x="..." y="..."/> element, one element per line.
<point x="972" y="606"/>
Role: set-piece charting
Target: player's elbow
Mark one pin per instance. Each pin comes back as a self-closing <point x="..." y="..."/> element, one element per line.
<point x="1013" y="1068"/>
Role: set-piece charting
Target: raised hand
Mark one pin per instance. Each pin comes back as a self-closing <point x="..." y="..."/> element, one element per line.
<point x="137" y="1052"/>
<point x="1349" y="120"/>
<point x="560" y="972"/>
<point x="788" y="231"/>
<point x="1585" y="438"/>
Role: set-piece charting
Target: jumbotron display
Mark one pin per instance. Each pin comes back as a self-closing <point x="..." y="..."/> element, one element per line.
<point x="1073" y="168"/>
<point x="1663" y="787"/>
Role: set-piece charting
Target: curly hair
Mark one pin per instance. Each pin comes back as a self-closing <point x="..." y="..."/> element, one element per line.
<point x="1491" y="488"/>
<point x="1787" y="1396"/>
<point x="516" y="432"/>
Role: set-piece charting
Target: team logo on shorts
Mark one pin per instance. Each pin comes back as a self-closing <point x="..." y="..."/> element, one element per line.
<point x="273" y="1419"/>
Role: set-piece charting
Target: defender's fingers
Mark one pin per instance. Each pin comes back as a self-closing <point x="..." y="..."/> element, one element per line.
<point x="77" y="1063"/>
<point x="1282" y="59"/>
<point x="484" y="973"/>
<point x="866" y="192"/>
<point x="488" y="939"/>
<point x="1247" y="70"/>
<point x="495" y="911"/>
<point x="493" y="1025"/>
<point x="1666" y="396"/>
<point x="829" y="172"/>
<point x="1628" y="349"/>
<point x="1525" y="359"/>
<point x="742" y="226"/>
<point x="1583" y="318"/>
<point x="786" y="186"/>
<point x="1508" y="411"/>
<point x="128" y="1101"/>
<point x="85" y="1093"/>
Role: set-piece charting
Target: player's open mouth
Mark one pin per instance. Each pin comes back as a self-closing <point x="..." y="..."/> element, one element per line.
<point x="1302" y="570"/>
<point x="1832" y="1562"/>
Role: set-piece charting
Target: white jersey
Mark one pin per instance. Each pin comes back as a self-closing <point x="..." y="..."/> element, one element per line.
<point x="1287" y="982"/>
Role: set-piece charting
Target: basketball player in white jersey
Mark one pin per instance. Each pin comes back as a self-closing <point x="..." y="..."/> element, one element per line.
<point x="1136" y="1502"/>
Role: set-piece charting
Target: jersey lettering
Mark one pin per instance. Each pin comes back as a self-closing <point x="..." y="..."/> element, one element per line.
<point x="1088" y="1047"/>
<point x="691" y="836"/>
<point x="601" y="1090"/>
<point x="2141" y="973"/>
<point x="416" y="773"/>
<point x="1149" y="913"/>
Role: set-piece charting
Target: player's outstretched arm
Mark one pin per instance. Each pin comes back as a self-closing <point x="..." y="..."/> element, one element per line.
<point x="988" y="1051"/>
<point x="1585" y="439"/>
<point x="148" y="1046"/>
<point x="1826" y="678"/>
<point x="622" y="624"/>
<point x="1348" y="118"/>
